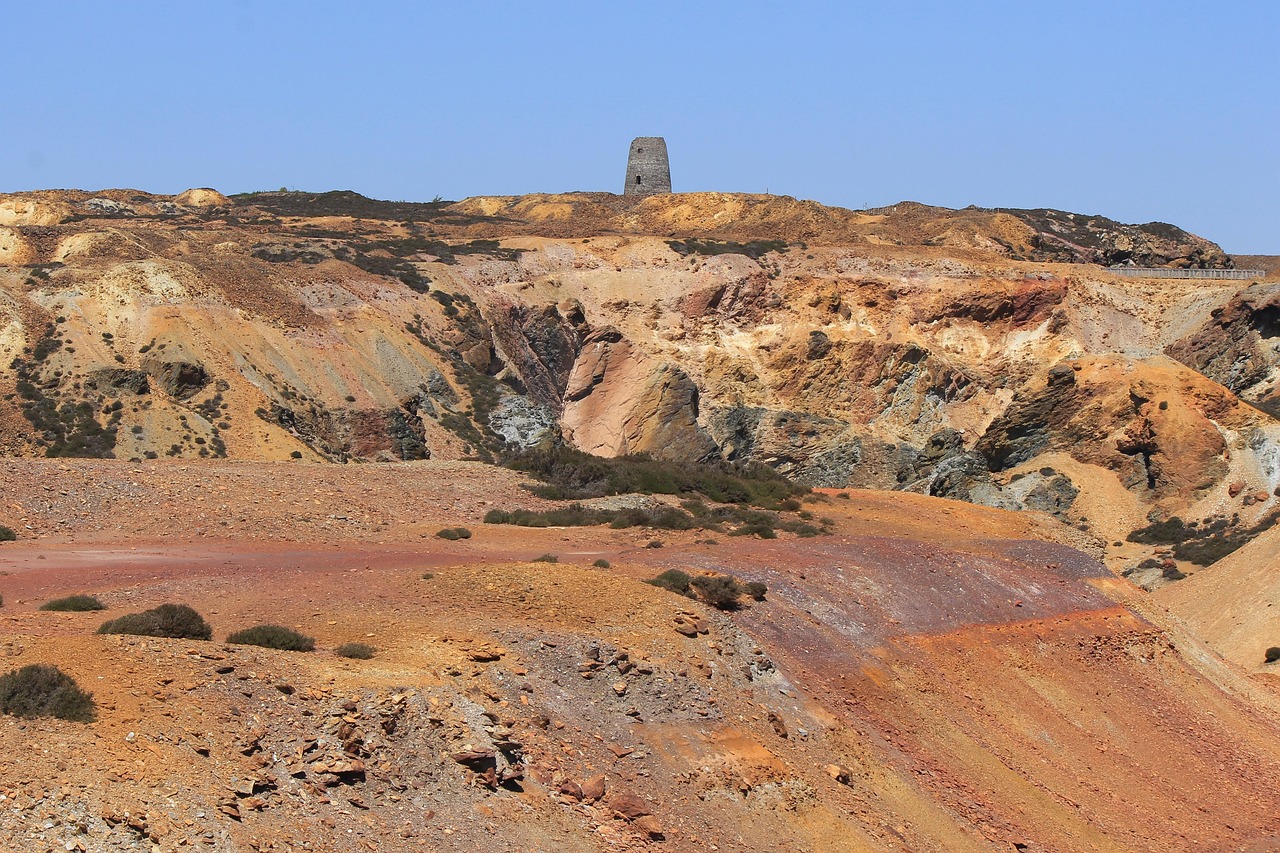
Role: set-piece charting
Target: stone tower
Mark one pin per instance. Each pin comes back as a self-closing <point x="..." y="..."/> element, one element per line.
<point x="648" y="170"/>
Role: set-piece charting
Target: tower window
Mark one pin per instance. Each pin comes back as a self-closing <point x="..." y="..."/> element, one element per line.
<point x="637" y="179"/>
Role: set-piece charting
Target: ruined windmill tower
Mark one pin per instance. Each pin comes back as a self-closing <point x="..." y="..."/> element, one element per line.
<point x="648" y="170"/>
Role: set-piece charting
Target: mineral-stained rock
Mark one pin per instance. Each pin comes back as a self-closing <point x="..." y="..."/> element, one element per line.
<point x="594" y="788"/>
<point x="629" y="805"/>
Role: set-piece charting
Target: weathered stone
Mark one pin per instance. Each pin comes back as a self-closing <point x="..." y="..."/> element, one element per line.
<point x="593" y="789"/>
<point x="648" y="167"/>
<point x="629" y="805"/>
<point x="649" y="825"/>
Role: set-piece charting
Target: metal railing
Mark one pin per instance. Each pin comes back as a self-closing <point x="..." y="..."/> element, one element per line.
<point x="1166" y="272"/>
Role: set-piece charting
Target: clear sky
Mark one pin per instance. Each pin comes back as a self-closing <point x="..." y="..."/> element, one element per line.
<point x="1139" y="111"/>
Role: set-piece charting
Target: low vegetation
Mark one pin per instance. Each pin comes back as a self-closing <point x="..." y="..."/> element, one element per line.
<point x="602" y="564"/>
<point x="74" y="603"/>
<point x="454" y="533"/>
<point x="43" y="690"/>
<point x="1273" y="654"/>
<point x="7" y="534"/>
<point x="176" y="621"/>
<point x="673" y="580"/>
<point x="720" y="591"/>
<point x="547" y="558"/>
<point x="273" y="637"/>
<point x="1202" y="544"/>
<point x="357" y="651"/>
<point x="755" y="249"/>
<point x="694" y="514"/>
<point x="569" y="474"/>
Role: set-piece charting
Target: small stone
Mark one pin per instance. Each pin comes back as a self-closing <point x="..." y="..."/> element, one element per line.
<point x="620" y="687"/>
<point x="689" y="629"/>
<point x="650" y="826"/>
<point x="593" y="789"/>
<point x="838" y="773"/>
<point x="629" y="805"/>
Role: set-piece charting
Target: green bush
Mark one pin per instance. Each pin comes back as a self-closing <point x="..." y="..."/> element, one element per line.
<point x="426" y="576"/>
<point x="7" y="534"/>
<point x="673" y="580"/>
<point x="755" y="589"/>
<point x="720" y="591"/>
<point x="74" y="603"/>
<point x="42" y="690"/>
<point x="754" y="249"/>
<point x="273" y="637"/>
<point x="359" y="651"/>
<point x="177" y="621"/>
<point x="571" y="474"/>
<point x="1273" y="654"/>
<point x="744" y="521"/>
<point x="654" y="543"/>
<point x="454" y="533"/>
<point x="602" y="564"/>
<point x="547" y="558"/>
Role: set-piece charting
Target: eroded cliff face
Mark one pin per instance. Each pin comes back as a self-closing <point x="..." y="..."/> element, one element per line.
<point x="906" y="348"/>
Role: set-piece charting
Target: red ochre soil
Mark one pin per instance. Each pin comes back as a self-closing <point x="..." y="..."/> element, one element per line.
<point x="932" y="676"/>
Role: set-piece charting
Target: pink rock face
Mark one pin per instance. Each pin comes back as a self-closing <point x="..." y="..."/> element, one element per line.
<point x="620" y="401"/>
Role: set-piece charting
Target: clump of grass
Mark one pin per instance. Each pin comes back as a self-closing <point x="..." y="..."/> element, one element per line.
<point x="720" y="591"/>
<point x="547" y="558"/>
<point x="736" y="520"/>
<point x="177" y="621"/>
<point x="602" y="564"/>
<point x="754" y="249"/>
<point x="454" y="533"/>
<point x="43" y="690"/>
<point x="74" y="603"/>
<point x="571" y="474"/>
<point x="1273" y="654"/>
<point x="273" y="637"/>
<point x="654" y="543"/>
<point x="7" y="534"/>
<point x="673" y="580"/>
<point x="358" y="651"/>
<point x="426" y="576"/>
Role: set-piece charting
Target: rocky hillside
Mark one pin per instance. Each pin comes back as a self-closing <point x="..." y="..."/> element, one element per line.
<point x="975" y="354"/>
<point x="931" y="676"/>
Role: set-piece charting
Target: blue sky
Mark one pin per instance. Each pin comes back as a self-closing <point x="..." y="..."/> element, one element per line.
<point x="1139" y="111"/>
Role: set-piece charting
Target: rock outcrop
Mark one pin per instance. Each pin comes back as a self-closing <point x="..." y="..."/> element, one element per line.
<point x="953" y="353"/>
